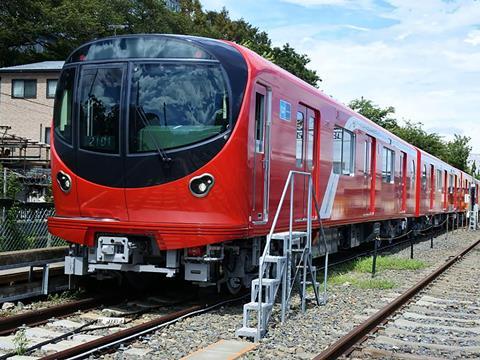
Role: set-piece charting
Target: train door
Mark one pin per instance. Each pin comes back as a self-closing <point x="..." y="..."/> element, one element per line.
<point x="432" y="186"/>
<point x="403" y="182"/>
<point x="445" y="189"/>
<point x="368" y="173"/>
<point x="100" y="133"/>
<point x="261" y="113"/>
<point x="304" y="157"/>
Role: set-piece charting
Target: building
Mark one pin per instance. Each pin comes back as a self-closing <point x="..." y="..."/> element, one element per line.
<point x="26" y="99"/>
<point x="173" y="5"/>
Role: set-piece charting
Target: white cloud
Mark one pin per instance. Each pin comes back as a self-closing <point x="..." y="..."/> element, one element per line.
<point x="473" y="38"/>
<point x="424" y="65"/>
<point x="343" y="3"/>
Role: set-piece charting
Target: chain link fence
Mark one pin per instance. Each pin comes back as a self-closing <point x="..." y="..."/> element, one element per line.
<point x="24" y="226"/>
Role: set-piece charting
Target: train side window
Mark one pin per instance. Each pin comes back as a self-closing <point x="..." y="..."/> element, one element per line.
<point x="388" y="165"/>
<point x="424" y="177"/>
<point x="343" y="151"/>
<point x="259" y="122"/>
<point x="439" y="181"/>
<point x="450" y="184"/>
<point x="299" y="141"/>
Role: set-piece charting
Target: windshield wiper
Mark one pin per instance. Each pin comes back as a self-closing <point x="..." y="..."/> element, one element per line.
<point x="143" y="117"/>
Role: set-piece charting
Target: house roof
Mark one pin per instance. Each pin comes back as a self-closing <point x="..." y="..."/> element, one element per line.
<point x="44" y="66"/>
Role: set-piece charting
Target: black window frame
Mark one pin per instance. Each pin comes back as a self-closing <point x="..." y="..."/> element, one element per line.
<point x="352" y="153"/>
<point x="123" y="66"/>
<point x="24" y="97"/>
<point x="260" y="101"/>
<point x="47" y="87"/>
<point x="388" y="178"/>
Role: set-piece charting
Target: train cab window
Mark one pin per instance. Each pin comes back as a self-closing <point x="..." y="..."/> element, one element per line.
<point x="424" y="177"/>
<point x="99" y="115"/>
<point x="388" y="165"/>
<point x="259" y="122"/>
<point x="343" y="151"/>
<point x="175" y="105"/>
<point x="62" y="117"/>
<point x="299" y="142"/>
<point x="439" y="181"/>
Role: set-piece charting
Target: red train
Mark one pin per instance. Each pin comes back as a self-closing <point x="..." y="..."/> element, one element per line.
<point x="170" y="154"/>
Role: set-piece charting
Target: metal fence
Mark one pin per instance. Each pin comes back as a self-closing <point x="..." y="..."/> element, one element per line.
<point x="24" y="226"/>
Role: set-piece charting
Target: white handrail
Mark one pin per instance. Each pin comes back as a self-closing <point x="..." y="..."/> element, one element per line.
<point x="311" y="196"/>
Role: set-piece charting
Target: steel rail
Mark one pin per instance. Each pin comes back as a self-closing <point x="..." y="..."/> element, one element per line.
<point x="345" y="344"/>
<point x="10" y="324"/>
<point x="129" y="334"/>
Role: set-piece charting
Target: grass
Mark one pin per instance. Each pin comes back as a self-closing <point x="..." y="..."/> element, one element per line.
<point x="354" y="272"/>
<point x="361" y="283"/>
<point x="388" y="263"/>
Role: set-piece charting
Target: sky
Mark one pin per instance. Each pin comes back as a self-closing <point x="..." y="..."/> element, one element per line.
<point x="420" y="56"/>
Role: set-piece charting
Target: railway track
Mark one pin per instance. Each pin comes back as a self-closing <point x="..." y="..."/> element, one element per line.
<point x="95" y="329"/>
<point x="436" y="318"/>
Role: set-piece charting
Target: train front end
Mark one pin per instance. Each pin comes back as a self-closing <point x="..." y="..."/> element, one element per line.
<point x="147" y="135"/>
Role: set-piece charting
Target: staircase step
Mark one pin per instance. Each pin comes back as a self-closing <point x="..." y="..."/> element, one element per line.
<point x="248" y="332"/>
<point x="266" y="282"/>
<point x="286" y="234"/>
<point x="253" y="305"/>
<point x="273" y="259"/>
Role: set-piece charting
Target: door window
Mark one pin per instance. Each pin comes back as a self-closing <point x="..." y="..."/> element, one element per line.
<point x="299" y="141"/>
<point x="259" y="123"/>
<point x="310" y="141"/>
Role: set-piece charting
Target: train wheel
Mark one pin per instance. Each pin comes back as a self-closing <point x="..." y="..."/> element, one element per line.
<point x="234" y="285"/>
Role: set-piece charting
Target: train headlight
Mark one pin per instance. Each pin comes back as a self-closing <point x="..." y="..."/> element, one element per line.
<point x="200" y="185"/>
<point x="64" y="181"/>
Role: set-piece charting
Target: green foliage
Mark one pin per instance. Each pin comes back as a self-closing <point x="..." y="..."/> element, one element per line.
<point x="457" y="152"/>
<point x="14" y="185"/>
<point x="417" y="136"/>
<point x="21" y="342"/>
<point x="65" y="296"/>
<point x="62" y="25"/>
<point x="373" y="112"/>
<point x="454" y="152"/>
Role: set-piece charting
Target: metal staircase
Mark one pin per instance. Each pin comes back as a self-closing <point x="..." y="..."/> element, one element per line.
<point x="286" y="262"/>
<point x="473" y="218"/>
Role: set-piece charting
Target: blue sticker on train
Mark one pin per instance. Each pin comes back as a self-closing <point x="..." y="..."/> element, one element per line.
<point x="285" y="110"/>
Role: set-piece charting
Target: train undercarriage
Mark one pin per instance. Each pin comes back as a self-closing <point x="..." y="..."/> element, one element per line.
<point x="232" y="264"/>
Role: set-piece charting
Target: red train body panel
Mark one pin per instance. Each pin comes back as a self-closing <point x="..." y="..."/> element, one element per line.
<point x="362" y="173"/>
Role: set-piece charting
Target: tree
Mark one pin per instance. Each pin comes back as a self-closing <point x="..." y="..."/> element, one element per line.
<point x="457" y="152"/>
<point x="454" y="152"/>
<point x="373" y="112"/>
<point x="59" y="26"/>
<point x="417" y="136"/>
